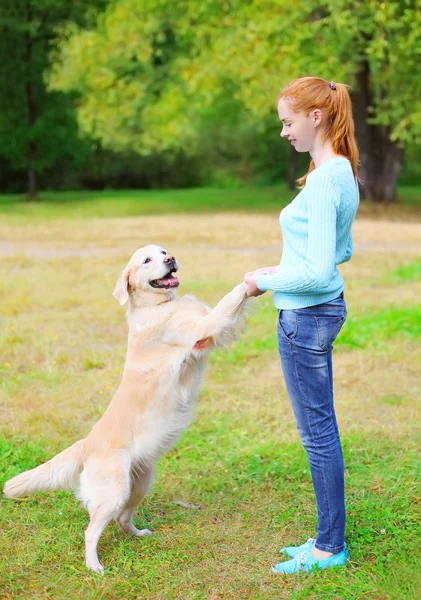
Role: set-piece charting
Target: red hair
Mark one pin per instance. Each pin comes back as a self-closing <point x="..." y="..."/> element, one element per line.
<point x="307" y="94"/>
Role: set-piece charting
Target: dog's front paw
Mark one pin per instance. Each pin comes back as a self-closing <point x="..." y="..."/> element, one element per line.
<point x="240" y="292"/>
<point x="241" y="288"/>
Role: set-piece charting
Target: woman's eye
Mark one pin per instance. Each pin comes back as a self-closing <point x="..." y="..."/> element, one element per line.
<point x="147" y="260"/>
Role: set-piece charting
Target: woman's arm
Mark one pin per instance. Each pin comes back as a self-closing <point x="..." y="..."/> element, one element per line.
<point x="348" y="252"/>
<point x="316" y="269"/>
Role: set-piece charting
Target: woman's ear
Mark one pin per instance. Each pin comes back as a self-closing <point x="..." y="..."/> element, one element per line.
<point x="121" y="290"/>
<point x="317" y="116"/>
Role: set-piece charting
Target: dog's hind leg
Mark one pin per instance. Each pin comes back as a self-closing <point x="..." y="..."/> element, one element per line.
<point x="141" y="483"/>
<point x="104" y="493"/>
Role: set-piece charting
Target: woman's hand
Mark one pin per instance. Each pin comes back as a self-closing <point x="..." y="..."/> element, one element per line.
<point x="251" y="287"/>
<point x="250" y="280"/>
<point x="264" y="270"/>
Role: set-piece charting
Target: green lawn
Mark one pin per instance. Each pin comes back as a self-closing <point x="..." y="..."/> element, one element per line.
<point x="63" y="343"/>
<point x="135" y="202"/>
<point x="122" y="203"/>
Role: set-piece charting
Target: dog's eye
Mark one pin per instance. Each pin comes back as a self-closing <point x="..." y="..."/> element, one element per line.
<point x="146" y="260"/>
<point x="163" y="252"/>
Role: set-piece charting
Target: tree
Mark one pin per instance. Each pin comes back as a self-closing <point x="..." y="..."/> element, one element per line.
<point x="37" y="126"/>
<point x="385" y="67"/>
<point x="124" y="72"/>
<point x="150" y="70"/>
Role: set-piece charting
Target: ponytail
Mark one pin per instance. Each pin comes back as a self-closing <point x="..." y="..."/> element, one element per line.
<point x="307" y="94"/>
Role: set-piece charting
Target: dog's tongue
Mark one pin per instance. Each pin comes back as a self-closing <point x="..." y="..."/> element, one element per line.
<point x="170" y="280"/>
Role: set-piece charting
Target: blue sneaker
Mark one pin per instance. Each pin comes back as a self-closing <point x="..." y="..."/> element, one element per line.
<point x="292" y="551"/>
<point x="305" y="561"/>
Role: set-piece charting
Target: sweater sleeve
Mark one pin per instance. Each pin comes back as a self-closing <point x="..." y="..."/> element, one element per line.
<point x="316" y="269"/>
<point x="348" y="252"/>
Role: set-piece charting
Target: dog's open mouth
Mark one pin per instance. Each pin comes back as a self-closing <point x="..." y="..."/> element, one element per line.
<point x="168" y="281"/>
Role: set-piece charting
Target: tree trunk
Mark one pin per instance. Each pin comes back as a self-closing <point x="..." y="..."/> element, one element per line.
<point x="32" y="188"/>
<point x="380" y="158"/>
<point x="292" y="168"/>
<point x="32" y="113"/>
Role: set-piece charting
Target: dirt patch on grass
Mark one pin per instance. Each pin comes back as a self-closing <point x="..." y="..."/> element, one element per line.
<point x="238" y="233"/>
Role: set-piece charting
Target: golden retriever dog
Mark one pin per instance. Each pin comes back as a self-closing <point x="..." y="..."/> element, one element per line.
<point x="169" y="339"/>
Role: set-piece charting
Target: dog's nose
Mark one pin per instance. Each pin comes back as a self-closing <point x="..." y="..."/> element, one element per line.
<point x="169" y="260"/>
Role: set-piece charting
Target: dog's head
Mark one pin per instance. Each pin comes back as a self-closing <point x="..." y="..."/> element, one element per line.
<point x="150" y="271"/>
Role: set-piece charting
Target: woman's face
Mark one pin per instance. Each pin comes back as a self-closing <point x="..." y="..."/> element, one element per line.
<point x="300" y="129"/>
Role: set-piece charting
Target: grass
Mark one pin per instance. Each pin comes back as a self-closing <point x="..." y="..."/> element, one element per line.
<point x="407" y="272"/>
<point x="127" y="203"/>
<point x="71" y="205"/>
<point x="63" y="340"/>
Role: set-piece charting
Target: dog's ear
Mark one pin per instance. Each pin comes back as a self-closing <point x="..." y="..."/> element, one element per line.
<point x="121" y="290"/>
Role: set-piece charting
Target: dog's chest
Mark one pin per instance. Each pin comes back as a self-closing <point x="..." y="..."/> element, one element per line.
<point x="167" y="418"/>
<point x="189" y="379"/>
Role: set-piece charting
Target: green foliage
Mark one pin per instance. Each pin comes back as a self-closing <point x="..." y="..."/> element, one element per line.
<point x="189" y="86"/>
<point x="35" y="123"/>
<point x="121" y="71"/>
<point x="411" y="170"/>
<point x="150" y="71"/>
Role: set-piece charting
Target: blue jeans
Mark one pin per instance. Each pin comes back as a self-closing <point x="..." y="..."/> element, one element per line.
<point x="305" y="338"/>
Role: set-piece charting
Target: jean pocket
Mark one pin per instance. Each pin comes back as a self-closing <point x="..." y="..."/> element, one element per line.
<point x="288" y="324"/>
<point x="328" y="329"/>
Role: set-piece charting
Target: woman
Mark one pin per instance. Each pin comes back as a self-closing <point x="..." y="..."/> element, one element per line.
<point x="308" y="293"/>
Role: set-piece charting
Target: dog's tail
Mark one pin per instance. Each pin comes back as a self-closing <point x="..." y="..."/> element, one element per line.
<point x="59" y="473"/>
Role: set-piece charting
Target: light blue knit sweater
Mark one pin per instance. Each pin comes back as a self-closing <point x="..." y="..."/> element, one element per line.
<point x="316" y="232"/>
